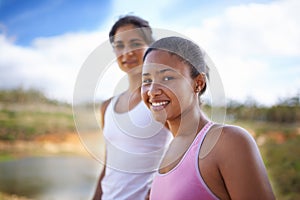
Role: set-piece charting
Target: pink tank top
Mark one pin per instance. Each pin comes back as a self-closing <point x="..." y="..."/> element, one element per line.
<point x="184" y="181"/>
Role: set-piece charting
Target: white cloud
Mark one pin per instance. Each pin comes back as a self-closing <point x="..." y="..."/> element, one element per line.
<point x="242" y="42"/>
<point x="49" y="64"/>
<point x="254" y="29"/>
<point x="274" y="26"/>
<point x="152" y="12"/>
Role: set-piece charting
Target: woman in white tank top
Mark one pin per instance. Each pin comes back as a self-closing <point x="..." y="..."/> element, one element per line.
<point x="134" y="141"/>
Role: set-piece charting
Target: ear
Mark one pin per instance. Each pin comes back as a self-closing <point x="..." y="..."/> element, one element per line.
<point x="200" y="82"/>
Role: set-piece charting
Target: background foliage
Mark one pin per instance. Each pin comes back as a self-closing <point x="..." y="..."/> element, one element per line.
<point x="25" y="114"/>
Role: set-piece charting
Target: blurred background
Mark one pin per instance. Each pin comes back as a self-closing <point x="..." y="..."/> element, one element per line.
<point x="255" y="46"/>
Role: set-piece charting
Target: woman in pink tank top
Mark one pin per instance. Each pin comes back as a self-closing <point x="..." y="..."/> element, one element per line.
<point x="205" y="160"/>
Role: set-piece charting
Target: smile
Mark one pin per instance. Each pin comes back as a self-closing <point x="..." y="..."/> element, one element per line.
<point x="156" y="106"/>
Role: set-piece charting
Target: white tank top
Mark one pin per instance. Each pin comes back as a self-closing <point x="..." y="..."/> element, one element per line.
<point x="135" y="144"/>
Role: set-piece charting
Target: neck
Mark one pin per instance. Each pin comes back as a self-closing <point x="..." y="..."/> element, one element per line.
<point x="135" y="81"/>
<point x="189" y="122"/>
<point x="133" y="93"/>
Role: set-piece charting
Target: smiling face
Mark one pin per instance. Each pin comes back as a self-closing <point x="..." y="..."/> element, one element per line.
<point x="167" y="86"/>
<point x="129" y="47"/>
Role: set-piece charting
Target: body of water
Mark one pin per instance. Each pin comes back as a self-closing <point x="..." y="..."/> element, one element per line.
<point x="50" y="178"/>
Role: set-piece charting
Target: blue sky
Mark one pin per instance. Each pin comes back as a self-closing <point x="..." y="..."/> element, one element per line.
<point x="255" y="45"/>
<point x="26" y="20"/>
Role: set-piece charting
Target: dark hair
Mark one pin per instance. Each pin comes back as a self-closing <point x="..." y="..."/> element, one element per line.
<point x="136" y="21"/>
<point x="186" y="50"/>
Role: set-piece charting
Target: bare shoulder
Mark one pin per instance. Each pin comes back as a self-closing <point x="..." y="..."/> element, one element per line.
<point x="236" y="135"/>
<point x="235" y="132"/>
<point x="239" y="144"/>
<point x="240" y="163"/>
<point x="223" y="138"/>
<point x="103" y="108"/>
<point x="104" y="105"/>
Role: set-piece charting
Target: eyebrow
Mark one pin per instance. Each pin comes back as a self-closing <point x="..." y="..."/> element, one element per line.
<point x="160" y="71"/>
<point x="132" y="40"/>
<point x="166" y="70"/>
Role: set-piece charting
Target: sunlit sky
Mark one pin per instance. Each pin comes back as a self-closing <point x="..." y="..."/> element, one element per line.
<point x="255" y="45"/>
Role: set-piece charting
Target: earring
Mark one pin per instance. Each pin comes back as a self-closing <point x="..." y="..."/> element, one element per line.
<point x="197" y="89"/>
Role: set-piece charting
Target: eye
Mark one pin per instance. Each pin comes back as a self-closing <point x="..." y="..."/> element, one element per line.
<point x="168" y="78"/>
<point x="119" y="46"/>
<point x="147" y="81"/>
<point x="136" y="45"/>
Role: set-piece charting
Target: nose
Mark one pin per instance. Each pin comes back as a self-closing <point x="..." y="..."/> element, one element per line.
<point x="127" y="50"/>
<point x="154" y="90"/>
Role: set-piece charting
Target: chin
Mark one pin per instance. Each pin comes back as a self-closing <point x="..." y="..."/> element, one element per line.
<point x="160" y="117"/>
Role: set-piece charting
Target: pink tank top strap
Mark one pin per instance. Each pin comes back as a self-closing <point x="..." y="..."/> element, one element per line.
<point x="191" y="185"/>
<point x="201" y="135"/>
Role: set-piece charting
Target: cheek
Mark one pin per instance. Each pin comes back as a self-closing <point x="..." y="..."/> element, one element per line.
<point x="181" y="94"/>
<point x="144" y="95"/>
<point x="177" y="89"/>
<point x="119" y="59"/>
<point x="177" y="99"/>
<point x="118" y="55"/>
<point x="140" y="53"/>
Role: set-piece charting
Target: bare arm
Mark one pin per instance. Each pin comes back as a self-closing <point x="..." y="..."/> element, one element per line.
<point x="242" y="167"/>
<point x="98" y="192"/>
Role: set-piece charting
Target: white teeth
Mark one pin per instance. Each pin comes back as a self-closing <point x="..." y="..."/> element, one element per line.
<point x="159" y="103"/>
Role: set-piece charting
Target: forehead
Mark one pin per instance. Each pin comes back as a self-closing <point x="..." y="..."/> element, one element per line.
<point x="127" y="32"/>
<point x="158" y="59"/>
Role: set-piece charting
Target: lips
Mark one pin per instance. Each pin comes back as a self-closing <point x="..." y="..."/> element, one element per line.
<point x="129" y="62"/>
<point x="158" y="105"/>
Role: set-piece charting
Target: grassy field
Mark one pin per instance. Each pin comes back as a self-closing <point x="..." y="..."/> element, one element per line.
<point x="22" y="123"/>
<point x="283" y="164"/>
<point x="28" y="121"/>
<point x="280" y="148"/>
<point x="4" y="196"/>
<point x="37" y="130"/>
